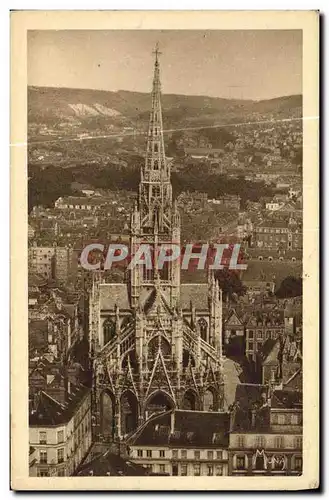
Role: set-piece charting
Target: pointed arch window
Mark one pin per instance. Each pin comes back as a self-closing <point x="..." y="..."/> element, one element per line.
<point x="203" y="328"/>
<point x="188" y="359"/>
<point x="108" y="330"/>
<point x="209" y="400"/>
<point x="159" y="342"/>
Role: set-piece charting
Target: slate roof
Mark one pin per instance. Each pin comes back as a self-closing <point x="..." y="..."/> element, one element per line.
<point x="248" y="397"/>
<point x="247" y="394"/>
<point x="50" y="412"/>
<point x="109" y="464"/>
<point x="196" y="293"/>
<point x="252" y="397"/>
<point x="287" y="399"/>
<point x="112" y="294"/>
<point x="196" y="429"/>
<point x="267" y="348"/>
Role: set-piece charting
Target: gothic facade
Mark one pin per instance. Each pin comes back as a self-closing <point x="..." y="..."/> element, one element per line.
<point x="156" y="343"/>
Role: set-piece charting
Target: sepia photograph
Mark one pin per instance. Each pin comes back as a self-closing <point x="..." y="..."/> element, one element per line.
<point x="165" y="231"/>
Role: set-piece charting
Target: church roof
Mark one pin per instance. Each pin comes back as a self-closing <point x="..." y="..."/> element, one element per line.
<point x="185" y="428"/>
<point x="112" y="294"/>
<point x="154" y="300"/>
<point x="196" y="293"/>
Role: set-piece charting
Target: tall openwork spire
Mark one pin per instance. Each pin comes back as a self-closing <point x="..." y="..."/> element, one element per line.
<point x="155" y="193"/>
<point x="155" y="151"/>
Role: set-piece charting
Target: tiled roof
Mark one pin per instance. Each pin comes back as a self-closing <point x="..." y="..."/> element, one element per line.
<point x="112" y="294"/>
<point x="196" y="293"/>
<point x="190" y="429"/>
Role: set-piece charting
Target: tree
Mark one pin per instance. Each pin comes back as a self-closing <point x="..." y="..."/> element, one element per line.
<point x="290" y="287"/>
<point x="230" y="283"/>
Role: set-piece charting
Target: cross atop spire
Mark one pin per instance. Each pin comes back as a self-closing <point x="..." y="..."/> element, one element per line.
<point x="157" y="52"/>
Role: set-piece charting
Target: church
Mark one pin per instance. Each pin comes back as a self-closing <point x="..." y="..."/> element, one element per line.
<point x="155" y="343"/>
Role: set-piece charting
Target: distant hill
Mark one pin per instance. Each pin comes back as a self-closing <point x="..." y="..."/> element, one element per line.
<point x="47" y="104"/>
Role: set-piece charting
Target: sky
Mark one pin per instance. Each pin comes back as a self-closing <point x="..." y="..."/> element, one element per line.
<point x="254" y="64"/>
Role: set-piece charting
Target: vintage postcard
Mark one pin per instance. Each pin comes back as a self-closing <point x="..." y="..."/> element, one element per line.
<point x="164" y="250"/>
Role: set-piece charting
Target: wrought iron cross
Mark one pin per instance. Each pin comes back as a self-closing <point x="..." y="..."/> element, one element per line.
<point x="156" y="51"/>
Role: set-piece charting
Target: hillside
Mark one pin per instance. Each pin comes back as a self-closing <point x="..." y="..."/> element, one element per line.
<point x="50" y="104"/>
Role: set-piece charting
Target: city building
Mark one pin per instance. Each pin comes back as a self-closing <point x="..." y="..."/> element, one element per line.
<point x="278" y="234"/>
<point x="60" y="429"/>
<point x="262" y="325"/>
<point x="234" y="334"/>
<point x="32" y="461"/>
<point x="65" y="264"/>
<point x="183" y="443"/>
<point x="156" y="343"/>
<point x="41" y="260"/>
<point x="55" y="262"/>
<point x="266" y="434"/>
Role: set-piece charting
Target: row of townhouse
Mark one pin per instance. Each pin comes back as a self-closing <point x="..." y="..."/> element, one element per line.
<point x="261" y="434"/>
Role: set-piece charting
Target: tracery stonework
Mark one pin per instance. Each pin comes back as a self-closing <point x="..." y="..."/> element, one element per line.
<point x="155" y="343"/>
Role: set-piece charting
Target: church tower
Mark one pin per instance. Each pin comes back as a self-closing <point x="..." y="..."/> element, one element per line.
<point x="155" y="220"/>
<point x="157" y="342"/>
